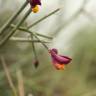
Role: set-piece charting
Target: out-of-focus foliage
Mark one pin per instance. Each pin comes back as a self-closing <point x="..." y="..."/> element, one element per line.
<point x="78" y="78"/>
<point x="84" y="62"/>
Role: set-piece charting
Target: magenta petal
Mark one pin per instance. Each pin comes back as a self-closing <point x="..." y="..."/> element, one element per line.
<point x="54" y="63"/>
<point x="34" y="2"/>
<point x="54" y="51"/>
<point x="59" y="59"/>
<point x="67" y="59"/>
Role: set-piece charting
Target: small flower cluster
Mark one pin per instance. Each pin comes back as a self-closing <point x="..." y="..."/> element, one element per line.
<point x="58" y="61"/>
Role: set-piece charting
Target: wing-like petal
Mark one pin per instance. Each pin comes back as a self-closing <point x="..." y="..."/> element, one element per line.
<point x="61" y="59"/>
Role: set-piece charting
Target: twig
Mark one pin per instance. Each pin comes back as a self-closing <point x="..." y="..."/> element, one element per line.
<point x="13" y="17"/>
<point x="8" y="76"/>
<point x="33" y="47"/>
<point x="36" y="61"/>
<point x="20" y="83"/>
<point x="15" y="28"/>
<point x="19" y="39"/>
<point x="28" y="31"/>
<point x="43" y="18"/>
<point x="40" y="41"/>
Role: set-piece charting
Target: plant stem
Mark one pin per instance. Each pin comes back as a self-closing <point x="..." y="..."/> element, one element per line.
<point x="17" y="39"/>
<point x="43" y="18"/>
<point x="33" y="47"/>
<point x="40" y="41"/>
<point x="15" y="28"/>
<point x="20" y="83"/>
<point x="26" y="30"/>
<point x="13" y="17"/>
<point x="8" y="75"/>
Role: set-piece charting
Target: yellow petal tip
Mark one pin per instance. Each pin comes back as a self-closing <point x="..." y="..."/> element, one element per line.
<point x="35" y="9"/>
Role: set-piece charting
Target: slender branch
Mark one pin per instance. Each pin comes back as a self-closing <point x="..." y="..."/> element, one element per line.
<point x="15" y="28"/>
<point x="33" y="47"/>
<point x="20" y="83"/>
<point x="28" y="31"/>
<point x="36" y="61"/>
<point x="19" y="39"/>
<point x="13" y="18"/>
<point x="8" y="75"/>
<point x="40" y="41"/>
<point x="43" y="18"/>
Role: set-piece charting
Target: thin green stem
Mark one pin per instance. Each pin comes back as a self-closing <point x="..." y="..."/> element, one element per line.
<point x="19" y="39"/>
<point x="21" y="89"/>
<point x="26" y="30"/>
<point x="13" y="17"/>
<point x="15" y="28"/>
<point x="40" y="41"/>
<point x="43" y="18"/>
<point x="33" y="47"/>
<point x="8" y="76"/>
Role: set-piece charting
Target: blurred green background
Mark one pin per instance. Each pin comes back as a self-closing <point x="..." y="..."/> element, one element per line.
<point x="74" y="35"/>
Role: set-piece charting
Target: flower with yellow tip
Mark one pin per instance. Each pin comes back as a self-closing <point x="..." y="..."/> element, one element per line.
<point x="59" y="61"/>
<point x="34" y="5"/>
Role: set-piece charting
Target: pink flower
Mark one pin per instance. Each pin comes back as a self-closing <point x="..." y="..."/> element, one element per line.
<point x="59" y="61"/>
